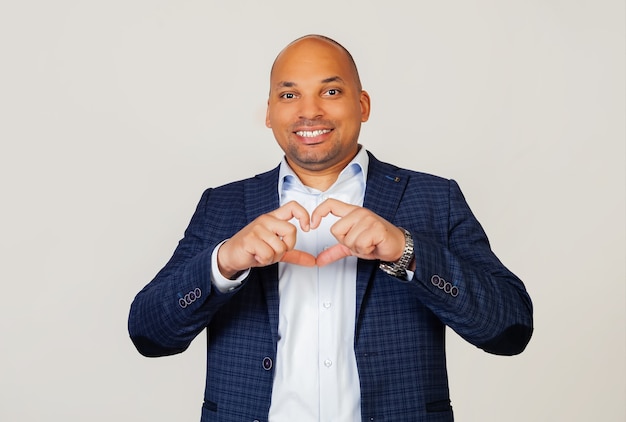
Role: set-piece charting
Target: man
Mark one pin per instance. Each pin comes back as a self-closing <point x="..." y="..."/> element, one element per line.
<point x="326" y="284"/>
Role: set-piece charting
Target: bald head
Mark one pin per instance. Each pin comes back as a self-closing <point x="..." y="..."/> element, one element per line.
<point x="321" y="39"/>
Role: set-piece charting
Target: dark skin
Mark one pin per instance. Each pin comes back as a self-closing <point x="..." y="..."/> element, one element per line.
<point x="315" y="110"/>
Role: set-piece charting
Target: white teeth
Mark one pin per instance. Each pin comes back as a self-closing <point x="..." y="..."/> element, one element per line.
<point x="311" y="133"/>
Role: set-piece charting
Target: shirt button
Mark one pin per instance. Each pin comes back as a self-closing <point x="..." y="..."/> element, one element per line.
<point x="328" y="363"/>
<point x="327" y="305"/>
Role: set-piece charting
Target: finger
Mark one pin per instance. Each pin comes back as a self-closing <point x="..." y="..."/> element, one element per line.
<point x="358" y="232"/>
<point x="290" y="210"/>
<point x="280" y="247"/>
<point x="275" y="232"/>
<point x="330" y="206"/>
<point x="266" y="251"/>
<point x="297" y="257"/>
<point x="279" y="240"/>
<point x="332" y="254"/>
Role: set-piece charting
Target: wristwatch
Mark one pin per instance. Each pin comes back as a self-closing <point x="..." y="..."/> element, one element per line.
<point x="399" y="267"/>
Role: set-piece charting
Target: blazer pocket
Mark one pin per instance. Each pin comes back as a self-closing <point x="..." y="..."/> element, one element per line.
<point x="439" y="406"/>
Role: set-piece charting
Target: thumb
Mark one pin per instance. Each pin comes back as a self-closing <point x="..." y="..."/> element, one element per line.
<point x="297" y="257"/>
<point x="332" y="254"/>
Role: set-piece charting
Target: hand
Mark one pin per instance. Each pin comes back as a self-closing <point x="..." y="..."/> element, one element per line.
<point x="268" y="239"/>
<point x="360" y="232"/>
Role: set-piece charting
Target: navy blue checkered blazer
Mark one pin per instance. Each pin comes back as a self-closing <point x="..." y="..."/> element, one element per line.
<point x="399" y="334"/>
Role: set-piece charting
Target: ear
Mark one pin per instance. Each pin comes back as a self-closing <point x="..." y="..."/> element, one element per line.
<point x="268" y="124"/>
<point x="365" y="106"/>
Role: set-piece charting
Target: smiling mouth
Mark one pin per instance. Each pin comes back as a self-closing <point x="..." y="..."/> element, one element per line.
<point x="312" y="133"/>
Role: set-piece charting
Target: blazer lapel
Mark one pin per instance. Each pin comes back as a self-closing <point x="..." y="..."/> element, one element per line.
<point x="261" y="194"/>
<point x="384" y="190"/>
<point x="261" y="197"/>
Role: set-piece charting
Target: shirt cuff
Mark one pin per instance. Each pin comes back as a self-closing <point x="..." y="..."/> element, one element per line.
<point x="409" y="275"/>
<point x="221" y="283"/>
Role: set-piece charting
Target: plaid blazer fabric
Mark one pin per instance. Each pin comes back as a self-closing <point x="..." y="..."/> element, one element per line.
<point x="400" y="326"/>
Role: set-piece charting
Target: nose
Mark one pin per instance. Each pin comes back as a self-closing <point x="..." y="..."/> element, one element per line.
<point x="310" y="107"/>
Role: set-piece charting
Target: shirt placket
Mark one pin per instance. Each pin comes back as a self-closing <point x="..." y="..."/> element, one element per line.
<point x="328" y="324"/>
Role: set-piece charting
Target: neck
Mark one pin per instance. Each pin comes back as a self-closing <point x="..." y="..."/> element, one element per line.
<point x="320" y="178"/>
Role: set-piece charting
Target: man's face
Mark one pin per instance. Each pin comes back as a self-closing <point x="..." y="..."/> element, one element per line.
<point x="316" y="106"/>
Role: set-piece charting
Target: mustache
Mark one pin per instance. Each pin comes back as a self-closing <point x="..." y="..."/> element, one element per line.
<point x="312" y="123"/>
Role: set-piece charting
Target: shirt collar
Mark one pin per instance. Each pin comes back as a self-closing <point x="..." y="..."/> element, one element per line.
<point x="357" y="167"/>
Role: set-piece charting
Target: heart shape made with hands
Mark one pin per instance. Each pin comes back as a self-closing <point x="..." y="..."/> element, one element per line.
<point x="329" y="255"/>
<point x="359" y="232"/>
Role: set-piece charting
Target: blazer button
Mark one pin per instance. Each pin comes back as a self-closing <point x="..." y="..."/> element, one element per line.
<point x="435" y="280"/>
<point x="267" y="363"/>
<point x="442" y="283"/>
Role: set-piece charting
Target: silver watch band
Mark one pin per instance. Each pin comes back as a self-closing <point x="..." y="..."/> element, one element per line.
<point x="399" y="267"/>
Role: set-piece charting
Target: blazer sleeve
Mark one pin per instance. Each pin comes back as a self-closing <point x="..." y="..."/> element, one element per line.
<point x="463" y="282"/>
<point x="169" y="312"/>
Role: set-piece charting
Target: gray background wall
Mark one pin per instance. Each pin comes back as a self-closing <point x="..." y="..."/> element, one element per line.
<point x="115" y="115"/>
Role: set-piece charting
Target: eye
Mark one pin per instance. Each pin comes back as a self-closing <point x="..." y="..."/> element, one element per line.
<point x="332" y="92"/>
<point x="288" y="96"/>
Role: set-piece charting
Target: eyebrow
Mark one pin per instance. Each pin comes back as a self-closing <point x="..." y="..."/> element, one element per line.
<point x="333" y="79"/>
<point x="289" y="84"/>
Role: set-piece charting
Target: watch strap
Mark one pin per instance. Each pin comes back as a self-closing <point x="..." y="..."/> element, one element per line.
<point x="398" y="268"/>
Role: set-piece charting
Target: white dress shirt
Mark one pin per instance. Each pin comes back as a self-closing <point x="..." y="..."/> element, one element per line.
<point x="316" y="377"/>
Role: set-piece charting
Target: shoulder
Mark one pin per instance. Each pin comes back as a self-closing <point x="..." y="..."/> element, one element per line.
<point x="236" y="190"/>
<point x="252" y="196"/>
